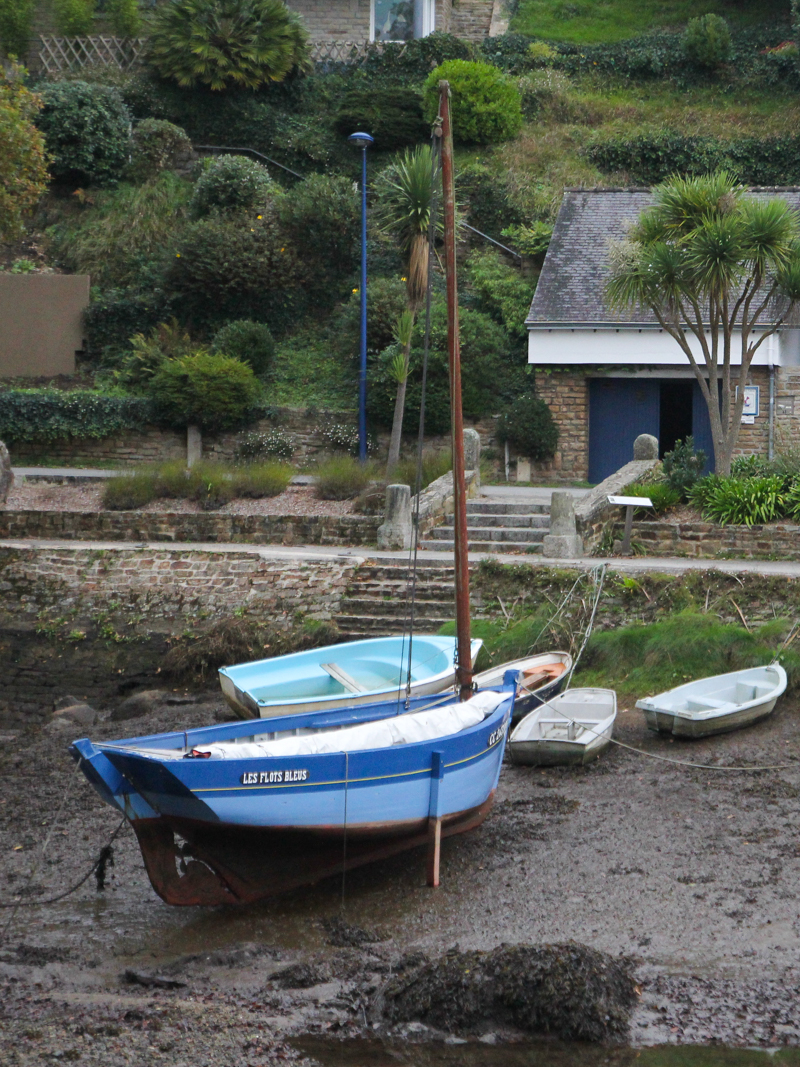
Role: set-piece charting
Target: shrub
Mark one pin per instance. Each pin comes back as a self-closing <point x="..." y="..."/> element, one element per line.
<point x="321" y="215"/>
<point x="663" y="497"/>
<point x="541" y="54"/>
<point x="752" y="467"/>
<point x="74" y="17"/>
<point x="52" y="415"/>
<point x="16" y="26"/>
<point x="533" y="240"/>
<point x="741" y="502"/>
<point x="435" y="463"/>
<point x="275" y="444"/>
<point x="231" y="183"/>
<point x="707" y="41"/>
<point x="486" y="198"/>
<point x="501" y="290"/>
<point x="224" y="43"/>
<point x="391" y="113"/>
<point x="249" y="341"/>
<point x="124" y="17"/>
<point x="485" y="103"/>
<point x="683" y="466"/>
<point x="172" y="480"/>
<point x="214" y="392"/>
<point x="528" y="425"/>
<point x="87" y="130"/>
<point x="113" y="317"/>
<point x="23" y="164"/>
<point x="210" y="485"/>
<point x="387" y="300"/>
<point x="340" y="437"/>
<point x="148" y="353"/>
<point x="341" y="478"/>
<point x="262" y="479"/>
<point x="124" y="492"/>
<point x="156" y="145"/>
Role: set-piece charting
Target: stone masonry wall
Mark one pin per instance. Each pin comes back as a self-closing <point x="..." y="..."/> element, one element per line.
<point x="566" y="393"/>
<point x="334" y="20"/>
<point x="705" y="540"/>
<point x="97" y="624"/>
<point x="187" y="527"/>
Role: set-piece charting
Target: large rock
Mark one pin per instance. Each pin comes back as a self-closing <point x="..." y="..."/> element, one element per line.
<point x="570" y="991"/>
<point x="6" y="474"/>
<point x="83" y="714"/>
<point x="137" y="705"/>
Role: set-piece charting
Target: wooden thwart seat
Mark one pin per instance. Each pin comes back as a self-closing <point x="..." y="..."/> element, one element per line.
<point x="343" y="678"/>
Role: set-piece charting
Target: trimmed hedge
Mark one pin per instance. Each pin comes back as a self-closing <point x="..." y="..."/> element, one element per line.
<point x="50" y="415"/>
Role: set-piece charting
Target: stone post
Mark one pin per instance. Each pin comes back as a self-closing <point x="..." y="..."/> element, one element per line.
<point x="645" y="447"/>
<point x="396" y="529"/>
<point x="472" y="454"/>
<point x="194" y="446"/>
<point x="6" y="474"/>
<point x="562" y="542"/>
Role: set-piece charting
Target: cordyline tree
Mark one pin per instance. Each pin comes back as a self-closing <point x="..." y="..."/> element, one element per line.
<point x="718" y="267"/>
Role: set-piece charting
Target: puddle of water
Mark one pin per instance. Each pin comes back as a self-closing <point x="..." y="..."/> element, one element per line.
<point x="375" y="1053"/>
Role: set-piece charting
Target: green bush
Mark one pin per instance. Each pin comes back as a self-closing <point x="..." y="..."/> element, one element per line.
<point x="485" y="103"/>
<point x="707" y="41"/>
<point x="232" y="183"/>
<point x="16" y="26"/>
<point x="387" y="300"/>
<point x="214" y="392"/>
<point x="533" y="240"/>
<point x="148" y="353"/>
<point x="113" y="317"/>
<point x="156" y="145"/>
<point x="501" y="290"/>
<point x="321" y="216"/>
<point x="74" y="18"/>
<point x="87" y="130"/>
<point x="741" y="501"/>
<point x="258" y="480"/>
<point x="683" y="466"/>
<point x="227" y="43"/>
<point x="274" y="444"/>
<point x="528" y="424"/>
<point x="486" y="200"/>
<point x="341" y="478"/>
<point x="752" y="466"/>
<point x="124" y="16"/>
<point x="392" y="114"/>
<point x="249" y="341"/>
<point x="663" y="497"/>
<point x="52" y="415"/>
<point x="210" y="485"/>
<point x="124" y="492"/>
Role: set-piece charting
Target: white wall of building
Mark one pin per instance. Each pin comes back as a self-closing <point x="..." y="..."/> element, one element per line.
<point x="647" y="347"/>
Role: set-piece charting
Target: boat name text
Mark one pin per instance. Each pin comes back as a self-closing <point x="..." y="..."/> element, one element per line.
<point x="273" y="777"/>
<point x="498" y="734"/>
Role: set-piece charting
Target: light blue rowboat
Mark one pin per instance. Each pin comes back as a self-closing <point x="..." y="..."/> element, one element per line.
<point x="343" y="675"/>
<point x="225" y="814"/>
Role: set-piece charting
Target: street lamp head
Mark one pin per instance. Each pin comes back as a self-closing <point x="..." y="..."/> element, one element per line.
<point x="360" y="140"/>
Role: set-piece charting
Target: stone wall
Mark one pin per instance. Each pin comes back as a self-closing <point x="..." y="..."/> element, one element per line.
<point x="97" y="624"/>
<point x="566" y="393"/>
<point x="182" y="527"/>
<point x="335" y="20"/>
<point x="708" y="541"/>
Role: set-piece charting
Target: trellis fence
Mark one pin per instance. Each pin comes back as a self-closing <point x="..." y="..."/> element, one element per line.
<point x="60" y="54"/>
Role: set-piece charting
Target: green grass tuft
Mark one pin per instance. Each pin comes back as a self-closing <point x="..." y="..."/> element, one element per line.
<point x="342" y="478"/>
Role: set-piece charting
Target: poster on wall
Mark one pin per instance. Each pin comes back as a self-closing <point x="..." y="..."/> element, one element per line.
<point x="751" y="403"/>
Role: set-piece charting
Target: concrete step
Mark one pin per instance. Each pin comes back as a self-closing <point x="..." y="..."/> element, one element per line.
<point x="492" y="507"/>
<point x="484" y="546"/>
<point x="397" y="588"/>
<point x="384" y="626"/>
<point x="399" y="609"/>
<point x="484" y="518"/>
<point x="490" y="533"/>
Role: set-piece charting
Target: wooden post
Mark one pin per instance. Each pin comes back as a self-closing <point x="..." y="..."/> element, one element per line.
<point x="626" y="537"/>
<point x="435" y="820"/>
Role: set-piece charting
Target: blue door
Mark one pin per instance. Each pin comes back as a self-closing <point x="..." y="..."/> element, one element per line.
<point x="619" y="410"/>
<point x="701" y="428"/>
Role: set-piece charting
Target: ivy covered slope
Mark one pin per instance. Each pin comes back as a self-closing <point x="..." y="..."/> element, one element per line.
<point x="193" y="259"/>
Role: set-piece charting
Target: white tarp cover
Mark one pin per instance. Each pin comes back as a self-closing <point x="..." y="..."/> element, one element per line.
<point x="398" y="730"/>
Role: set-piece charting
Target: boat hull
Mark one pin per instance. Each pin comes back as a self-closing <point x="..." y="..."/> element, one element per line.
<point x="527" y="700"/>
<point x="192" y="863"/>
<point x="557" y="753"/>
<point x="666" y="722"/>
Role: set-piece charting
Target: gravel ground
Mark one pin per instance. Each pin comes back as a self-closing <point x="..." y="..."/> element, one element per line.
<point x="297" y="500"/>
<point x="693" y="873"/>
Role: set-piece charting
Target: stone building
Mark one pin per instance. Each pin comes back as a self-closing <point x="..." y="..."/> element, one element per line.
<point x="608" y="377"/>
<point x="359" y="21"/>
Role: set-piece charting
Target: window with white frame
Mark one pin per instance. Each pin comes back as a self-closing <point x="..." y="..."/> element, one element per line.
<point x="402" y="20"/>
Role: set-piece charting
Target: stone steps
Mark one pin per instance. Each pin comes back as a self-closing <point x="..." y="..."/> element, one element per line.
<point x="495" y="527"/>
<point x="376" y="602"/>
<point x="498" y="547"/>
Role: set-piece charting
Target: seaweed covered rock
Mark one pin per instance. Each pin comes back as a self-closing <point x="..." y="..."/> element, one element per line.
<point x="569" y="990"/>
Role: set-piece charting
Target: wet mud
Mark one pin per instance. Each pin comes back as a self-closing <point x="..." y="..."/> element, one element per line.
<point x="690" y="874"/>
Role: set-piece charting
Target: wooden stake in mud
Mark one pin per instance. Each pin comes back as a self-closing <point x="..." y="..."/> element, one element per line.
<point x="464" y="669"/>
<point x="435" y="820"/>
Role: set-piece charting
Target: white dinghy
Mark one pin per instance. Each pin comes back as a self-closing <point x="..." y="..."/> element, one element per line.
<point x="540" y="678"/>
<point x="574" y="727"/>
<point x="716" y="705"/>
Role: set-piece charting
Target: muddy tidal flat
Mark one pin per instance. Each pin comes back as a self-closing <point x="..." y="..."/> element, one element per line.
<point x="693" y="874"/>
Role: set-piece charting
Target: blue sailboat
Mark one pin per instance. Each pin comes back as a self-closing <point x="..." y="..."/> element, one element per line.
<point x="235" y="812"/>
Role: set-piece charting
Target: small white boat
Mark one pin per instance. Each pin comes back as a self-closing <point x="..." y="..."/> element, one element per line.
<point x="717" y="704"/>
<point x="572" y="728"/>
<point x="540" y="678"/>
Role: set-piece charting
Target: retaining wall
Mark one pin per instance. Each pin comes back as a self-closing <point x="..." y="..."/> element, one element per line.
<point x="707" y="541"/>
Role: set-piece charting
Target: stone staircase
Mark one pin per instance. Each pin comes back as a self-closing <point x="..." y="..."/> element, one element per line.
<point x="495" y="527"/>
<point x="471" y="19"/>
<point x="375" y="603"/>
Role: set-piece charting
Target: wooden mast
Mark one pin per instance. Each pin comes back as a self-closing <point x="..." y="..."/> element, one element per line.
<point x="464" y="669"/>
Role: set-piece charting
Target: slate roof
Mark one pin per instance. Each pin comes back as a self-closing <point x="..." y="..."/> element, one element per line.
<point x="571" y="287"/>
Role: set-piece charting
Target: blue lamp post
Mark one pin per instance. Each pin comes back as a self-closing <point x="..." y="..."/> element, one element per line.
<point x="363" y="141"/>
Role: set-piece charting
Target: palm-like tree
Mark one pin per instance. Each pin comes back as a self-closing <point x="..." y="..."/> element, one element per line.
<point x="720" y="270"/>
<point x="223" y="43"/>
<point x="405" y="194"/>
